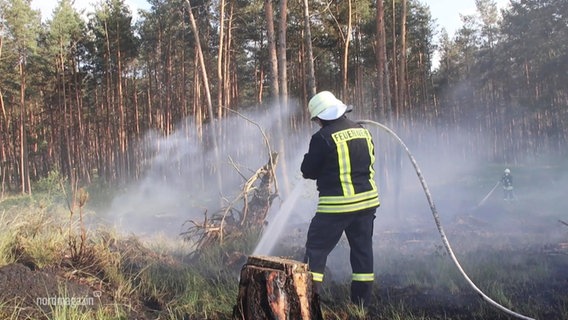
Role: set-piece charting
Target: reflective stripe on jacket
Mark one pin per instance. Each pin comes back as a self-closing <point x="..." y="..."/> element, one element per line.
<point x="341" y="158"/>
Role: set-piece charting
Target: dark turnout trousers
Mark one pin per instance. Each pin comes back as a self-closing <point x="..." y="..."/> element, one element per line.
<point x="323" y="235"/>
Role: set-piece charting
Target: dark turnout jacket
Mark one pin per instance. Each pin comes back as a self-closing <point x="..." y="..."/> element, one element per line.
<point x="507" y="181"/>
<point x="340" y="158"/>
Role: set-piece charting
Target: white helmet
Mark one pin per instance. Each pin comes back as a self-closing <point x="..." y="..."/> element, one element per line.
<point x="507" y="170"/>
<point x="326" y="106"/>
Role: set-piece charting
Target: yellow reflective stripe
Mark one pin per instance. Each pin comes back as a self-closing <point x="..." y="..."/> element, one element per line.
<point x="341" y="138"/>
<point x="317" y="277"/>
<point x="346" y="200"/>
<point x="340" y="208"/>
<point x="372" y="154"/>
<point x="363" y="277"/>
<point x="345" y="168"/>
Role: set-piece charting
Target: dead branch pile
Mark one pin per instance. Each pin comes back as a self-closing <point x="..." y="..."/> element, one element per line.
<point x="247" y="211"/>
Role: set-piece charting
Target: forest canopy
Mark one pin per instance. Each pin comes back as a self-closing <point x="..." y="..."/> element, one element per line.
<point x="79" y="92"/>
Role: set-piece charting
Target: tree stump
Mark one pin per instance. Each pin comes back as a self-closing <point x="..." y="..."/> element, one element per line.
<point x="272" y="288"/>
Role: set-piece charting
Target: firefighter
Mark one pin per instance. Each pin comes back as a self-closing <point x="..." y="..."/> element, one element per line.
<point x="340" y="158"/>
<point x="507" y="184"/>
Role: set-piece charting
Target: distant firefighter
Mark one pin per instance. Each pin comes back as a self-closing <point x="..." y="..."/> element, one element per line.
<point x="507" y="183"/>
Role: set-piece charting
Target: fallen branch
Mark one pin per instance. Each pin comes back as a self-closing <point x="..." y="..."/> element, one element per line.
<point x="257" y="194"/>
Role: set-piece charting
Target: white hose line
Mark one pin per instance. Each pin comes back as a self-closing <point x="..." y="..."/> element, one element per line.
<point x="439" y="225"/>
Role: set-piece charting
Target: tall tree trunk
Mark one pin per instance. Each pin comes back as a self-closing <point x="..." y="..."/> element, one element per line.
<point x="110" y="129"/>
<point x="122" y="117"/>
<point x="4" y="147"/>
<point x="282" y="61"/>
<point x="347" y="41"/>
<point x="1" y="45"/>
<point x="381" y="53"/>
<point x="169" y="76"/>
<point x="394" y="64"/>
<point x="207" y="93"/>
<point x="283" y="80"/>
<point x="196" y="94"/>
<point x="67" y="126"/>
<point x="403" y="90"/>
<point x="227" y="80"/>
<point x="3" y="107"/>
<point x="4" y="150"/>
<point x="24" y="165"/>
<point x="220" y="82"/>
<point x="311" y="74"/>
<point x="201" y="61"/>
<point x="269" y="16"/>
<point x="85" y="164"/>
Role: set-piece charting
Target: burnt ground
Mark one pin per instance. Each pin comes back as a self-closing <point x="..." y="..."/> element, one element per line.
<point x="540" y="297"/>
<point x="32" y="292"/>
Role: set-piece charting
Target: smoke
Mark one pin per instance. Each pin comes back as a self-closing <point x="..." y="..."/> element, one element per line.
<point x="183" y="170"/>
<point x="458" y="178"/>
<point x="180" y="184"/>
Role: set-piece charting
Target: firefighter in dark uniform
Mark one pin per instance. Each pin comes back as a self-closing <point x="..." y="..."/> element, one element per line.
<point x="507" y="184"/>
<point x="340" y="158"/>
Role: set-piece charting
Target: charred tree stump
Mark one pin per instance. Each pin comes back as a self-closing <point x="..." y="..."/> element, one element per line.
<point x="273" y="288"/>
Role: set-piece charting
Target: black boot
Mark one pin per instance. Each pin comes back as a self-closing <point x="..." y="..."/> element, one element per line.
<point x="361" y="293"/>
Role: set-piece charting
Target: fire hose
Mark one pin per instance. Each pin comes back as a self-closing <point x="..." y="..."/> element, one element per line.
<point x="439" y="225"/>
<point x="488" y="194"/>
